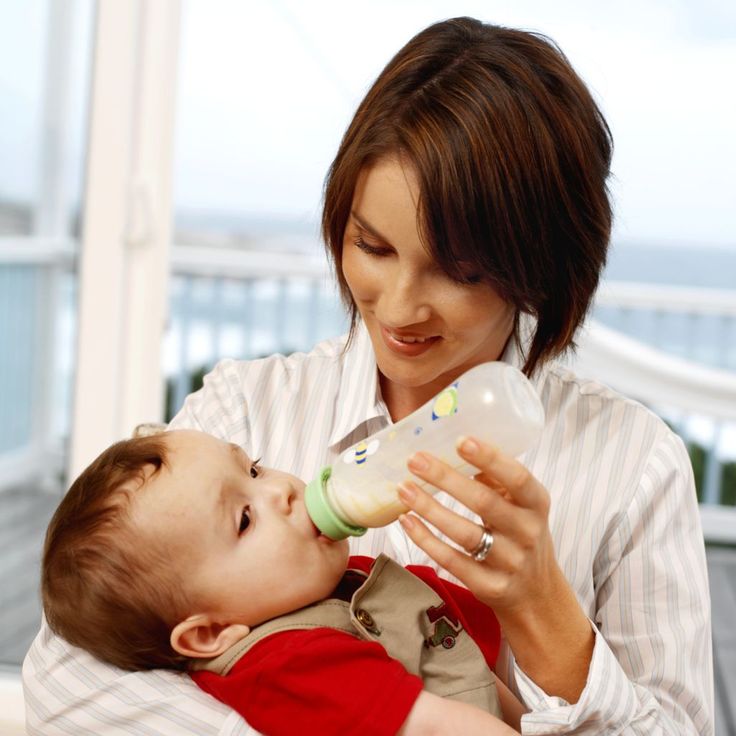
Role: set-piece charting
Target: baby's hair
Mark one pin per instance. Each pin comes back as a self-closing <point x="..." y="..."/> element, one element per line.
<point x="105" y="587"/>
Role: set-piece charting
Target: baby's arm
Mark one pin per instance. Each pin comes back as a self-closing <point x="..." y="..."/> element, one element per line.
<point x="511" y="706"/>
<point x="432" y="715"/>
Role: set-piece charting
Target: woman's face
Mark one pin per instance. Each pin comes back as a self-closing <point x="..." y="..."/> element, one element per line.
<point x="426" y="329"/>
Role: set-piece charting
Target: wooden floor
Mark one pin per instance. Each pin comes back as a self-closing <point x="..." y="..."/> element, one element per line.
<point x="24" y="516"/>
<point x="25" y="513"/>
<point x="722" y="576"/>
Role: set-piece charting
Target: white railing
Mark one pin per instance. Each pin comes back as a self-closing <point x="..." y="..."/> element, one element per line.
<point x="667" y="298"/>
<point x="660" y="379"/>
<point x="675" y="380"/>
<point x="246" y="303"/>
<point x="35" y="282"/>
<point x="674" y="388"/>
<point x="693" y="323"/>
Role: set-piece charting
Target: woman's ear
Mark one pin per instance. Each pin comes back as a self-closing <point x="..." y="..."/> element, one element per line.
<point x="199" y="636"/>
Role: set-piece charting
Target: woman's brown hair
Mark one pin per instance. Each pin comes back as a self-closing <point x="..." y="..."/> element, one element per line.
<point x="104" y="588"/>
<point x="512" y="155"/>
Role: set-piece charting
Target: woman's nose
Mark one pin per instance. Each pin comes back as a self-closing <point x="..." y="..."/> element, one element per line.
<point x="405" y="301"/>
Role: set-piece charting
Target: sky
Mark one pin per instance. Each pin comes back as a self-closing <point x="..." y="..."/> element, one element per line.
<point x="291" y="74"/>
<point x="266" y="89"/>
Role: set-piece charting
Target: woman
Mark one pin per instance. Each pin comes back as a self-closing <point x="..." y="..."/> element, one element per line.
<point x="468" y="219"/>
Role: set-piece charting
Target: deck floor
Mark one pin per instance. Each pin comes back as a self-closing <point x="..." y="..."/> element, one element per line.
<point x="25" y="513"/>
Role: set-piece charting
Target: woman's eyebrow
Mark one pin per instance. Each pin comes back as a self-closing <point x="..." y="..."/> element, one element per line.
<point x="369" y="228"/>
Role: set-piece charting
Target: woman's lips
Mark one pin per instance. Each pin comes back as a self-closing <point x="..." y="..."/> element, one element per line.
<point x="400" y="345"/>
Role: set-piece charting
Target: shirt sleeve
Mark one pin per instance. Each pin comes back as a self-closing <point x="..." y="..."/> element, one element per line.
<point x="327" y="680"/>
<point x="651" y="670"/>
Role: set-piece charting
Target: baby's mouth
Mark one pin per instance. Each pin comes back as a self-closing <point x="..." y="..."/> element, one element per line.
<point x="317" y="531"/>
<point x="320" y="534"/>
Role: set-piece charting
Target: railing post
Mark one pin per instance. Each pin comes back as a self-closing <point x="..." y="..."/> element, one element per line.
<point x="713" y="469"/>
<point x="181" y="381"/>
<point x="217" y="315"/>
<point x="248" y="318"/>
<point x="46" y="375"/>
<point x="314" y="297"/>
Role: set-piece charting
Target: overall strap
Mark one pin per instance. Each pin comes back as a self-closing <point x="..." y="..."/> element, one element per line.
<point x="330" y="613"/>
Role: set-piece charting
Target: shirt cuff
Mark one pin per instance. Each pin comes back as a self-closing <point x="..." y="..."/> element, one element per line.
<point x="608" y="699"/>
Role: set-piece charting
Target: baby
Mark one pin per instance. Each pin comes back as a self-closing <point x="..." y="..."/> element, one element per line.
<point x="179" y="551"/>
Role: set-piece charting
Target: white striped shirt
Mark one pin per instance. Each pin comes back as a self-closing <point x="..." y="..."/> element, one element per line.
<point x="624" y="519"/>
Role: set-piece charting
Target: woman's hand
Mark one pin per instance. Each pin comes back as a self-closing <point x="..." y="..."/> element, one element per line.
<point x="518" y="576"/>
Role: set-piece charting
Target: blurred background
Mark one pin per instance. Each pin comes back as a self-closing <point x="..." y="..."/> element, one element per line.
<point x="161" y="169"/>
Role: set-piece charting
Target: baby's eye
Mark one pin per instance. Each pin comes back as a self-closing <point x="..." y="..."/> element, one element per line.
<point x="244" y="520"/>
<point x="255" y="470"/>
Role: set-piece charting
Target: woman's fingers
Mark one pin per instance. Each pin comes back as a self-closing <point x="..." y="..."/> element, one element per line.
<point x="498" y="472"/>
<point x="462" y="531"/>
<point x="476" y="576"/>
<point x="513" y="506"/>
<point x="476" y="496"/>
<point x="497" y="511"/>
<point x="514" y="477"/>
<point x="466" y="533"/>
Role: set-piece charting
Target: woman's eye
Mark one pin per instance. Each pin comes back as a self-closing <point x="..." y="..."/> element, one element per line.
<point x="372" y="250"/>
<point x="244" y="520"/>
<point x="468" y="274"/>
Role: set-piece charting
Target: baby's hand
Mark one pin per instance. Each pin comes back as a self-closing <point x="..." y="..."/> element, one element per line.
<point x="436" y="716"/>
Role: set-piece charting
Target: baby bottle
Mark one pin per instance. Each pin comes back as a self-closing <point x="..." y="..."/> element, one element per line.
<point x="493" y="402"/>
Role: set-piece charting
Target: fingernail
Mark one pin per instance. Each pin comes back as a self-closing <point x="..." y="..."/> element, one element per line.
<point x="468" y="446"/>
<point x="406" y="521"/>
<point x="407" y="494"/>
<point x="418" y="462"/>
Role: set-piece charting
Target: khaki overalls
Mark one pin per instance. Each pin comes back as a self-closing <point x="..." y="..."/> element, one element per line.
<point x="410" y="620"/>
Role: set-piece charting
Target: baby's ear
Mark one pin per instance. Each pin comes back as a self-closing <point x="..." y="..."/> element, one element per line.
<point x="199" y="636"/>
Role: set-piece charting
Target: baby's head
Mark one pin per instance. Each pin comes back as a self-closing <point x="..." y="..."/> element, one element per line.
<point x="171" y="547"/>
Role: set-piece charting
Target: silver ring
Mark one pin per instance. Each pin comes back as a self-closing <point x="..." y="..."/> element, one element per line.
<point x="484" y="546"/>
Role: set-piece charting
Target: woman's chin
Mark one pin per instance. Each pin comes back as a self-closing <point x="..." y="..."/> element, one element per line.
<point x="411" y="375"/>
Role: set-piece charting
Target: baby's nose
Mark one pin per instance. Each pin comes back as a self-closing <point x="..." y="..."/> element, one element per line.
<point x="283" y="493"/>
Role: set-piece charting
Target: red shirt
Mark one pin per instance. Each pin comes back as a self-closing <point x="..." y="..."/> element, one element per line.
<point x="324" y="681"/>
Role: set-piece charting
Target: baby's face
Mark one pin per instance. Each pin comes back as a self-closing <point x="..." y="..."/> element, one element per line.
<point x="239" y="533"/>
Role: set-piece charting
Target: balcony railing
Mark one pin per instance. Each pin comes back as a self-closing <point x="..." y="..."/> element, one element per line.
<point x="36" y="344"/>
<point x="683" y="364"/>
<point x="245" y="303"/>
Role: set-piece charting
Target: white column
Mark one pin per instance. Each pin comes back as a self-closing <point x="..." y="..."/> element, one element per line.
<point x="150" y="217"/>
<point x="126" y="229"/>
<point x="51" y="216"/>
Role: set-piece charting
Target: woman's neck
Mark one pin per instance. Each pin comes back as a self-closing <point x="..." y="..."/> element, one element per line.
<point x="402" y="401"/>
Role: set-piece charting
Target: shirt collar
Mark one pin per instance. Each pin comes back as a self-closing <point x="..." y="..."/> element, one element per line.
<point x="359" y="393"/>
